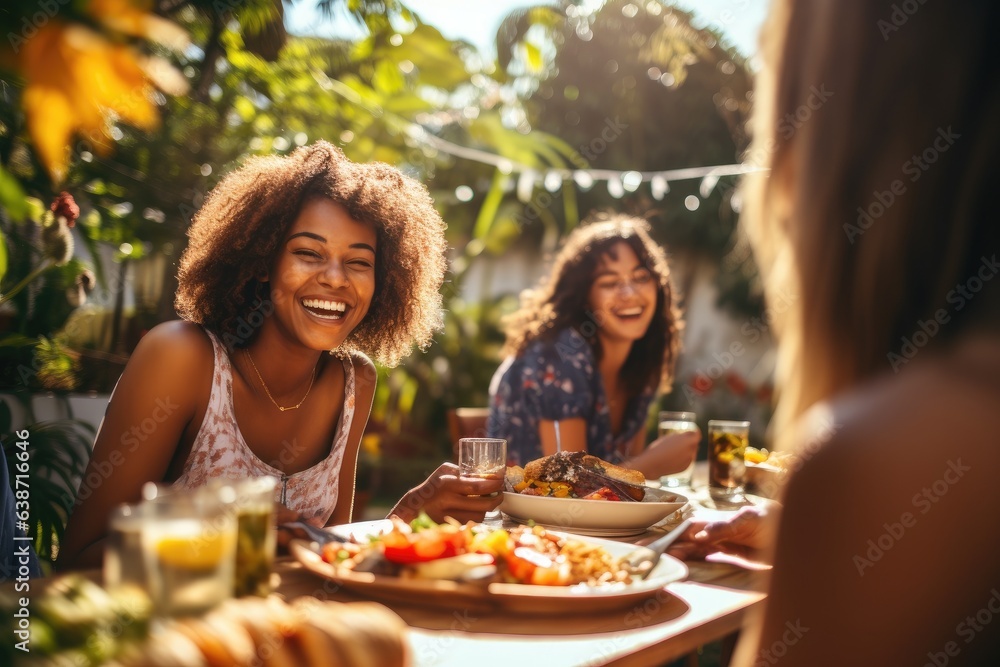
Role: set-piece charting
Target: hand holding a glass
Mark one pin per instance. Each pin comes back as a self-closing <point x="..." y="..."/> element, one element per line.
<point x="680" y="432"/>
<point x="484" y="460"/>
<point x="465" y="492"/>
<point x="671" y="456"/>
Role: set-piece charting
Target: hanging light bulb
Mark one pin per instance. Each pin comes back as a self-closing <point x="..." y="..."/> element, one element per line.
<point x="583" y="180"/>
<point x="659" y="187"/>
<point x="736" y="202"/>
<point x="631" y="180"/>
<point x="707" y="185"/>
<point x="615" y="187"/>
<point x="553" y="181"/>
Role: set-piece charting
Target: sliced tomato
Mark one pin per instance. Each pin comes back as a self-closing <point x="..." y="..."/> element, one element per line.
<point x="555" y="575"/>
<point x="603" y="493"/>
<point x="522" y="563"/>
<point x="423" y="546"/>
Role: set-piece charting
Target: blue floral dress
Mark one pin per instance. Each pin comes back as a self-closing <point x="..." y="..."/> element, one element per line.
<point x="557" y="380"/>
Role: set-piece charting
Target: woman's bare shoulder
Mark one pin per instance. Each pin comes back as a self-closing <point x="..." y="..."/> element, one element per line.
<point x="179" y="335"/>
<point x="364" y="371"/>
<point x="890" y="490"/>
<point x="944" y="405"/>
<point x="176" y="348"/>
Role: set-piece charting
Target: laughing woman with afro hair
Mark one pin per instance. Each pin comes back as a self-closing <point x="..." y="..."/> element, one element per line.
<point x="299" y="270"/>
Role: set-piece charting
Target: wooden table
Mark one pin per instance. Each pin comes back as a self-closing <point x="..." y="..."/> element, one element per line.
<point x="709" y="605"/>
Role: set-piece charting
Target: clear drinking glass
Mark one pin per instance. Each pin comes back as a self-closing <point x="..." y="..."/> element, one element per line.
<point x="124" y="560"/>
<point x="483" y="458"/>
<point x="189" y="548"/>
<point x="256" y="535"/>
<point x="677" y="422"/>
<point x="124" y="564"/>
<point x="727" y="442"/>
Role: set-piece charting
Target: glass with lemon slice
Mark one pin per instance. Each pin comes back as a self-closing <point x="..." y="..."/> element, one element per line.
<point x="189" y="546"/>
<point x="727" y="444"/>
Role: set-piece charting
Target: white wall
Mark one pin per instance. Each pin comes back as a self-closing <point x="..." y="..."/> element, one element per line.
<point x="88" y="408"/>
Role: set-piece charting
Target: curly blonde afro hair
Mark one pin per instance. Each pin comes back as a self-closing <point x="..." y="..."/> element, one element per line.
<point x="236" y="234"/>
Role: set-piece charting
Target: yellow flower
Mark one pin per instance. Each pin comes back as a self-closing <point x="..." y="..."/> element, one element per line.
<point x="77" y="80"/>
<point x="132" y="17"/>
<point x="73" y="75"/>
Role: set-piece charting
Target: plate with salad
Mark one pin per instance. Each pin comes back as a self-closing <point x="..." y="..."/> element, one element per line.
<point x="527" y="569"/>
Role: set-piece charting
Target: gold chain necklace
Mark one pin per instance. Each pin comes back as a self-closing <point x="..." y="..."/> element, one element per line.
<point x="268" y="391"/>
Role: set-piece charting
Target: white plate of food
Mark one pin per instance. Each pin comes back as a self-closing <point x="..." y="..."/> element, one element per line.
<point x="580" y="493"/>
<point x="605" y="518"/>
<point x="492" y="595"/>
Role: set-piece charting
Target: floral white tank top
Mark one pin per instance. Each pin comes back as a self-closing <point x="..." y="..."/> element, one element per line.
<point x="219" y="449"/>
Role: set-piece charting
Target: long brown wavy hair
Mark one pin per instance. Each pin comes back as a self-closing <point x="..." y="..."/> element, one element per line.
<point x="561" y="301"/>
<point x="235" y="235"/>
<point x="882" y="142"/>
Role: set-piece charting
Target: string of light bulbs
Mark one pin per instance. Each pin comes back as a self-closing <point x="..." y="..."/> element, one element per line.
<point x="619" y="181"/>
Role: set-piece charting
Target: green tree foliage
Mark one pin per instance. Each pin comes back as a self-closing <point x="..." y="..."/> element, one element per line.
<point x="636" y="86"/>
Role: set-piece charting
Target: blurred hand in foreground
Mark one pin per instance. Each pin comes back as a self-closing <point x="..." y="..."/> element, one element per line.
<point x="749" y="533"/>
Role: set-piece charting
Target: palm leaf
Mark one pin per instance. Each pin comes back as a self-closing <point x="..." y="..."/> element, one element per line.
<point x="488" y="211"/>
<point x="58" y="452"/>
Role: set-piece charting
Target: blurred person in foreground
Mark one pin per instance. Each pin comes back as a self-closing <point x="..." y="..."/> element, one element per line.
<point x="589" y="350"/>
<point x="298" y="268"/>
<point x="880" y="215"/>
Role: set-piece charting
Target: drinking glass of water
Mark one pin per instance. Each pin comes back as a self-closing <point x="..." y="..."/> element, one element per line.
<point x="677" y="422"/>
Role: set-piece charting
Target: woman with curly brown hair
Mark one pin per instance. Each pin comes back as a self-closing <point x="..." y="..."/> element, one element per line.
<point x="588" y="352"/>
<point x="297" y="268"/>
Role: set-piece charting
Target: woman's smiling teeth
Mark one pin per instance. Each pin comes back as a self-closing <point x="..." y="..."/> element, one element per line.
<point x="330" y="310"/>
<point x="629" y="312"/>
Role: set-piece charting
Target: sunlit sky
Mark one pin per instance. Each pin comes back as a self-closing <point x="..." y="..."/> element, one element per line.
<point x="477" y="21"/>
